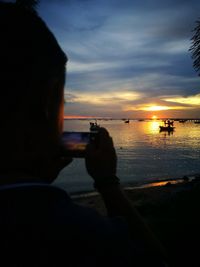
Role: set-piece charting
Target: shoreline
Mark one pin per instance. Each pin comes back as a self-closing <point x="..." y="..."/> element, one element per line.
<point x="144" y="197"/>
<point x="172" y="213"/>
<point x="129" y="186"/>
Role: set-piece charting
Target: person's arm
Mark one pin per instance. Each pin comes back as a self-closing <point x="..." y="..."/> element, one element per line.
<point x="101" y="163"/>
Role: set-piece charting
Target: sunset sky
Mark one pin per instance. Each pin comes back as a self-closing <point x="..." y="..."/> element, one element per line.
<point x="127" y="58"/>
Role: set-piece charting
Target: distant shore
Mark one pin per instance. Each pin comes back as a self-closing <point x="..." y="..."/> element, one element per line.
<point x="132" y="119"/>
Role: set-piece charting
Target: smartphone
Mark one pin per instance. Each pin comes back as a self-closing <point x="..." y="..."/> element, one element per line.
<point x="75" y="143"/>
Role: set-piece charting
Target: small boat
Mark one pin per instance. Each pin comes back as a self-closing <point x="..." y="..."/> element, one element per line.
<point x="94" y="126"/>
<point x="126" y="121"/>
<point x="168" y="126"/>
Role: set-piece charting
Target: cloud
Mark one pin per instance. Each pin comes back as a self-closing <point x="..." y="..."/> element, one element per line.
<point x="125" y="46"/>
<point x="193" y="100"/>
<point x="104" y="98"/>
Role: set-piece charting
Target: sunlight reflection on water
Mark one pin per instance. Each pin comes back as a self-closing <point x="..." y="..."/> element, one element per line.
<point x="144" y="153"/>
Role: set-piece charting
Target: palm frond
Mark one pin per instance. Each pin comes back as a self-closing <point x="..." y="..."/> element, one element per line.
<point x="195" y="47"/>
<point x="29" y="4"/>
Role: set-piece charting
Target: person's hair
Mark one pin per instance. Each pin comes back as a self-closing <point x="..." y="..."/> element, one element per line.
<point x="32" y="74"/>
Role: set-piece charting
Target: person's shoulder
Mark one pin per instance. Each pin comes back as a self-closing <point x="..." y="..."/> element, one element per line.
<point x="55" y="223"/>
<point x="87" y="217"/>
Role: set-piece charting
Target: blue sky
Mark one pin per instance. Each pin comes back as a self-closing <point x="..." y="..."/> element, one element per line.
<point x="127" y="58"/>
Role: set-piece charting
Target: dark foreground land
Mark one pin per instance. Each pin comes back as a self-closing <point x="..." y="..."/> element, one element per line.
<point x="172" y="212"/>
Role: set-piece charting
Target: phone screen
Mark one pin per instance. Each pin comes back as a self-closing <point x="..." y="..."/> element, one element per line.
<point x="75" y="143"/>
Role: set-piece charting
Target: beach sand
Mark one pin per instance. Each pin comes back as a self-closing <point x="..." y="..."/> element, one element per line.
<point x="153" y="195"/>
<point x="171" y="211"/>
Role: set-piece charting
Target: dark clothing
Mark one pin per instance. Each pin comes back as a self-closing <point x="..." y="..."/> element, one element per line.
<point x="41" y="226"/>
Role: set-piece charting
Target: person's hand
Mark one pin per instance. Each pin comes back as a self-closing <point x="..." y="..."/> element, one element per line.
<point x="101" y="160"/>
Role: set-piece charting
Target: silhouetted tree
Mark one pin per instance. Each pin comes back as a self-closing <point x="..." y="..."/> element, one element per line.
<point x="195" y="47"/>
<point x="29" y="4"/>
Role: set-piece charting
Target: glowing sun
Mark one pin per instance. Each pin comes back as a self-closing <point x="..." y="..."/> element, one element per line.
<point x="154" y="117"/>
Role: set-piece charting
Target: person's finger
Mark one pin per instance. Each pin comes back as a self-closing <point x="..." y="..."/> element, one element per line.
<point x="104" y="143"/>
<point x="104" y="138"/>
<point x="103" y="132"/>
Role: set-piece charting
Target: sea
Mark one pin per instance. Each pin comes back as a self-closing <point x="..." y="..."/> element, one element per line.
<point x="144" y="153"/>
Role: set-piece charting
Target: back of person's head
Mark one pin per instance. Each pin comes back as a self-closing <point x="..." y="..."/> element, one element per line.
<point x="32" y="71"/>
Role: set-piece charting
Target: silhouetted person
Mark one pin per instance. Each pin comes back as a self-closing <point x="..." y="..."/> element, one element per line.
<point x="40" y="225"/>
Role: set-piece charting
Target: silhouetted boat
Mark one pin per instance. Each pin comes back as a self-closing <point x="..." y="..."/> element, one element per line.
<point x="94" y="126"/>
<point x="126" y="121"/>
<point x="167" y="127"/>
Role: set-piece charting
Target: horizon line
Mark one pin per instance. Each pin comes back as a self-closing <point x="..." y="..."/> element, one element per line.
<point x="127" y="118"/>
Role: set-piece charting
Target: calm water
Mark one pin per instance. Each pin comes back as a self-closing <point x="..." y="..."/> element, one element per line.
<point x="144" y="154"/>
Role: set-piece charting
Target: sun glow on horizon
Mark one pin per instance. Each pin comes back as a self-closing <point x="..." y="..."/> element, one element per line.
<point x="156" y="108"/>
<point x="154" y="117"/>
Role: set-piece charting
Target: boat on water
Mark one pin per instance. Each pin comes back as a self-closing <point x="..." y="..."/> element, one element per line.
<point x="126" y="121"/>
<point x="168" y="126"/>
<point x="94" y="126"/>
